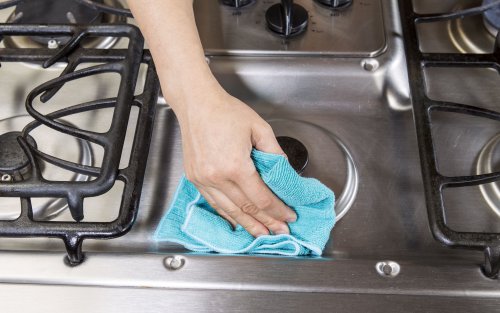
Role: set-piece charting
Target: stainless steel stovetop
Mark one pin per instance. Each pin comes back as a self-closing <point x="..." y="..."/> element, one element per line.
<point x="342" y="89"/>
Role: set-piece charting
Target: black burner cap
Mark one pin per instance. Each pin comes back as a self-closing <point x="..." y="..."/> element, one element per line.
<point x="296" y="152"/>
<point x="492" y="16"/>
<point x="13" y="161"/>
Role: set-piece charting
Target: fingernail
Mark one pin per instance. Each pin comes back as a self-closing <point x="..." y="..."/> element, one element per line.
<point x="292" y="219"/>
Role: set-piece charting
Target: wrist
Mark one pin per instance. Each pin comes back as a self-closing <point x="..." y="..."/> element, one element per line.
<point x="194" y="96"/>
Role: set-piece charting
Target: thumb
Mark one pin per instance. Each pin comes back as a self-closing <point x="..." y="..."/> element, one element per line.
<point x="263" y="139"/>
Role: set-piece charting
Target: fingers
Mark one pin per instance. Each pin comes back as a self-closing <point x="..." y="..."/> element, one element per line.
<point x="248" y="222"/>
<point x="214" y="205"/>
<point x="238" y="197"/>
<point x="245" y="199"/>
<point x="257" y="191"/>
<point x="263" y="139"/>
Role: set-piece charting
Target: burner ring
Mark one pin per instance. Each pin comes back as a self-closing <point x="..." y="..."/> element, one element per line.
<point x="471" y="34"/>
<point x="324" y="148"/>
<point x="486" y="163"/>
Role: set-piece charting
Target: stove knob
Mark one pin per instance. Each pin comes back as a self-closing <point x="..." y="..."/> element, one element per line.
<point x="335" y="4"/>
<point x="287" y="18"/>
<point x="237" y="3"/>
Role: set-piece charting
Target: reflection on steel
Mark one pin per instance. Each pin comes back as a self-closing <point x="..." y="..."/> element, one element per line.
<point x="486" y="164"/>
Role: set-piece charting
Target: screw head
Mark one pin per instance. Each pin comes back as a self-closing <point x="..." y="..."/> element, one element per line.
<point x="370" y="65"/>
<point x="174" y="263"/>
<point x="6" y="178"/>
<point x="388" y="268"/>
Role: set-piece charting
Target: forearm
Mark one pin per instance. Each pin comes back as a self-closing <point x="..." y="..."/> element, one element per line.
<point x="218" y="130"/>
<point x="170" y="31"/>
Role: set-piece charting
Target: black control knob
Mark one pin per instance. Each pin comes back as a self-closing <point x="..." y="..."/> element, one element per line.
<point x="335" y="4"/>
<point x="237" y="3"/>
<point x="287" y="18"/>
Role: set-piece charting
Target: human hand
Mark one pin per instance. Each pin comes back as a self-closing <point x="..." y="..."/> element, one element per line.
<point x="218" y="133"/>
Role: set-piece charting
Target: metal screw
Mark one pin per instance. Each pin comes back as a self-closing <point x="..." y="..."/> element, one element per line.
<point x="174" y="263"/>
<point x="388" y="268"/>
<point x="52" y="44"/>
<point x="6" y="178"/>
<point x="370" y="65"/>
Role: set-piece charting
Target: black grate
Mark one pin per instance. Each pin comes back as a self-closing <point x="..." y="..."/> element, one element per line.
<point x="126" y="63"/>
<point x="434" y="182"/>
<point x="96" y="5"/>
<point x="102" y="7"/>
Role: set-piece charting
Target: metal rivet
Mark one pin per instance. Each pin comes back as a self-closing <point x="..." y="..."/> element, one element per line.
<point x="388" y="268"/>
<point x="174" y="263"/>
<point x="370" y="65"/>
<point x="6" y="178"/>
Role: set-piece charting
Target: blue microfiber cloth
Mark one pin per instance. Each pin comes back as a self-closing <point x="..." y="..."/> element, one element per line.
<point x="193" y="223"/>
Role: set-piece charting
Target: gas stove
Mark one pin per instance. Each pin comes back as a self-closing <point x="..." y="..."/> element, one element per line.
<point x="407" y="170"/>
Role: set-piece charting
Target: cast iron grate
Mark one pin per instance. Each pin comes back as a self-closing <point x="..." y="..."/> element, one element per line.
<point x="99" y="6"/>
<point x="124" y="62"/>
<point x="434" y="182"/>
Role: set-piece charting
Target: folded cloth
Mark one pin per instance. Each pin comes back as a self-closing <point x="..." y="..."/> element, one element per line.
<point x="193" y="223"/>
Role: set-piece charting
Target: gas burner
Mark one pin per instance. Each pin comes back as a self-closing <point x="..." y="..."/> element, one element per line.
<point x="305" y="143"/>
<point x="287" y="18"/>
<point x="335" y="4"/>
<point x="435" y="183"/>
<point x="237" y="3"/>
<point x="488" y="162"/>
<point x="14" y="163"/>
<point x="106" y="173"/>
<point x="492" y="19"/>
<point x="296" y="152"/>
<point x="61" y="12"/>
<point x="55" y="12"/>
<point x="15" y="166"/>
<point x="473" y="34"/>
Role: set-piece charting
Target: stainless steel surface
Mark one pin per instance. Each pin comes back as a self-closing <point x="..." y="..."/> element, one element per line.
<point x="356" y="31"/>
<point x="361" y="101"/>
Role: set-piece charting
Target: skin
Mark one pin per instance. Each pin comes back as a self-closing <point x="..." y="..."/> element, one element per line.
<point x="218" y="130"/>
